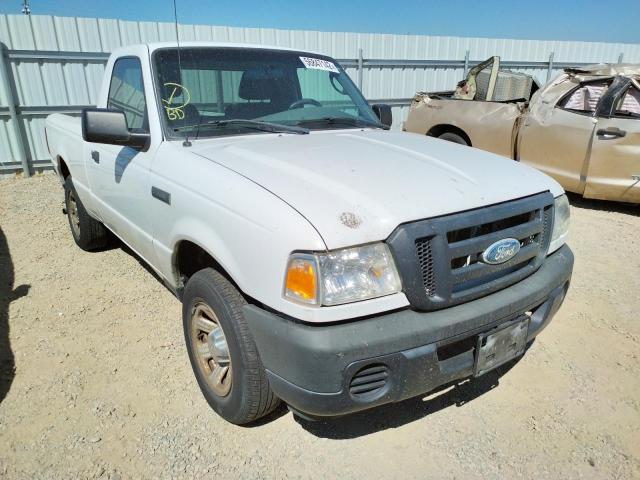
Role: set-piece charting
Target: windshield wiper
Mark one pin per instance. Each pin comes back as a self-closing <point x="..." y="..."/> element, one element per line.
<point x="254" y="124"/>
<point x="356" y="122"/>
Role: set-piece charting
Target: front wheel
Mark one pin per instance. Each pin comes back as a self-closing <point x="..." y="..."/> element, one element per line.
<point x="222" y="352"/>
<point x="453" y="137"/>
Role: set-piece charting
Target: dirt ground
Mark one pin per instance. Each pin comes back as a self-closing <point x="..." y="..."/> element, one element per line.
<point x="95" y="380"/>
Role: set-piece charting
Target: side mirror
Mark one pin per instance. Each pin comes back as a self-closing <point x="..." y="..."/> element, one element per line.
<point x="383" y="111"/>
<point x="101" y="125"/>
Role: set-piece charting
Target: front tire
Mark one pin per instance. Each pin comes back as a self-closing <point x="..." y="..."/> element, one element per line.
<point x="222" y="352"/>
<point x="88" y="233"/>
<point x="454" y="138"/>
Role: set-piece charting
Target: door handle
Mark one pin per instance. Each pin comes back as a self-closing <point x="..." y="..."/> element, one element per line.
<point x="611" y="132"/>
<point x="161" y="195"/>
<point x="95" y="155"/>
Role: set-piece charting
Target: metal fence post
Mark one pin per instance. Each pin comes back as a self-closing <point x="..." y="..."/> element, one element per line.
<point x="550" y="66"/>
<point x="466" y="64"/>
<point x="620" y="57"/>
<point x="360" y="68"/>
<point x="15" y="118"/>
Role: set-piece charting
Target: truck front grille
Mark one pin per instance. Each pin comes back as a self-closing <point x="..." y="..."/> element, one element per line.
<point x="440" y="259"/>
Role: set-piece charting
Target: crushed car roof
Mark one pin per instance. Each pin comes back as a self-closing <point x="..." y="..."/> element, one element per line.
<point x="606" y="69"/>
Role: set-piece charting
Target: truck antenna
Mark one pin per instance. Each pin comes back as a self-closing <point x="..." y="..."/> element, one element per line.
<point x="186" y="142"/>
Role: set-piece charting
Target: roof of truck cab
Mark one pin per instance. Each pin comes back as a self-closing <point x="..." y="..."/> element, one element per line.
<point x="553" y="91"/>
<point x="158" y="45"/>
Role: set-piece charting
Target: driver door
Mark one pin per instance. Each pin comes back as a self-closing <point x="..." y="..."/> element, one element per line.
<point x="559" y="143"/>
<point x="614" y="167"/>
<point x="120" y="175"/>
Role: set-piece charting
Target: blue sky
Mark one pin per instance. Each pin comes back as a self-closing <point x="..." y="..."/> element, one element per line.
<point x="588" y="20"/>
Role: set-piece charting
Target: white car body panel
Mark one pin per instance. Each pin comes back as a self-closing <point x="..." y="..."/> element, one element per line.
<point x="251" y="200"/>
<point x="377" y="179"/>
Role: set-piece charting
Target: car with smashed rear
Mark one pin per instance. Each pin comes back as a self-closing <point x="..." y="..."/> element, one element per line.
<point x="582" y="128"/>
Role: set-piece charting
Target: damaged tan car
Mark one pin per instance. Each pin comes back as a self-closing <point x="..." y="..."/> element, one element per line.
<point x="583" y="128"/>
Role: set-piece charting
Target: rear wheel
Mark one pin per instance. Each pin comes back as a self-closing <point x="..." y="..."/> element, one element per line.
<point x="223" y="354"/>
<point x="453" y="137"/>
<point x="87" y="232"/>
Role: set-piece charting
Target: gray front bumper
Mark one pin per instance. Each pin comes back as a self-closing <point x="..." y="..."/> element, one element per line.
<point x="311" y="367"/>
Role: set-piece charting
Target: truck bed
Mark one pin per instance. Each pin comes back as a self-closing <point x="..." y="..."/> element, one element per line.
<point x="64" y="140"/>
<point x="489" y="125"/>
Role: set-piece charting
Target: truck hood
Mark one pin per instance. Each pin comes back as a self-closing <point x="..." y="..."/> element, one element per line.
<point x="357" y="186"/>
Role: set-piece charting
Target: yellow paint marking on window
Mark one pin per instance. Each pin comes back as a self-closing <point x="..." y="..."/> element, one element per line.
<point x="176" y="112"/>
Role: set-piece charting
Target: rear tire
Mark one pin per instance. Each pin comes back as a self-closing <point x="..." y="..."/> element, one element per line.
<point x="222" y="352"/>
<point x="453" y="137"/>
<point x="88" y="233"/>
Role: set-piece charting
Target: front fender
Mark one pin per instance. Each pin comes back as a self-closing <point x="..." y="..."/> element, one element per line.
<point x="200" y="233"/>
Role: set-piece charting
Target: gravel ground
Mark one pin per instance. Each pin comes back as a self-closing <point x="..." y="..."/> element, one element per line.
<point x="98" y="384"/>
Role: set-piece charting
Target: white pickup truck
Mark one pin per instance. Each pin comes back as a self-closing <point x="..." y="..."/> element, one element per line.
<point x="321" y="259"/>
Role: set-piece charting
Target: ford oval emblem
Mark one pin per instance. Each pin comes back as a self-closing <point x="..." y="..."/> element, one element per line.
<point x="501" y="251"/>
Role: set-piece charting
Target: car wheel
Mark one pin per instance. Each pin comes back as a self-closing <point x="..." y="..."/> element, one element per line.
<point x="453" y="137"/>
<point x="88" y="233"/>
<point x="222" y="352"/>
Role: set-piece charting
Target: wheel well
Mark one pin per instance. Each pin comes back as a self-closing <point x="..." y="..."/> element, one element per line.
<point x="191" y="258"/>
<point x="444" y="128"/>
<point x="63" y="169"/>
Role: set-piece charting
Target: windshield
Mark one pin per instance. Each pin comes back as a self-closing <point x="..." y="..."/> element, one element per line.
<point x="218" y="85"/>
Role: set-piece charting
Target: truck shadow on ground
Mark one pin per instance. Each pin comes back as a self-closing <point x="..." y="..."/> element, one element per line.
<point x="7" y="295"/>
<point x="398" y="414"/>
<point x="603" y="205"/>
<point x="115" y="242"/>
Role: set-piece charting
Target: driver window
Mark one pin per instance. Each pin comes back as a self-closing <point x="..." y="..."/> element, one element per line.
<point x="585" y="98"/>
<point x="126" y="93"/>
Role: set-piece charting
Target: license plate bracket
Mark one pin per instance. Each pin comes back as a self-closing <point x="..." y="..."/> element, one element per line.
<point x="499" y="346"/>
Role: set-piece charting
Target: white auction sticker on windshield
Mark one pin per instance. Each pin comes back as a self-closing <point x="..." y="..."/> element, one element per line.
<point x="319" y="64"/>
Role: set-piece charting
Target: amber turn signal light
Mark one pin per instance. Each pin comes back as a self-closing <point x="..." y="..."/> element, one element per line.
<point x="301" y="281"/>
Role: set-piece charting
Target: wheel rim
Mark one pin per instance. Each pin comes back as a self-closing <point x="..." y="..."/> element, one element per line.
<point x="74" y="218"/>
<point x="211" y="349"/>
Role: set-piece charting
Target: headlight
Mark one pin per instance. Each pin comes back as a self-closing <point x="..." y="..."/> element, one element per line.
<point x="342" y="276"/>
<point x="560" y="223"/>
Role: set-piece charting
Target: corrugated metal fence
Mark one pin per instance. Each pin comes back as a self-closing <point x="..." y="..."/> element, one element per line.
<point x="55" y="64"/>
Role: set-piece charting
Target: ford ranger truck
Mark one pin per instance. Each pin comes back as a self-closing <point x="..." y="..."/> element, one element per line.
<point x="322" y="259"/>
